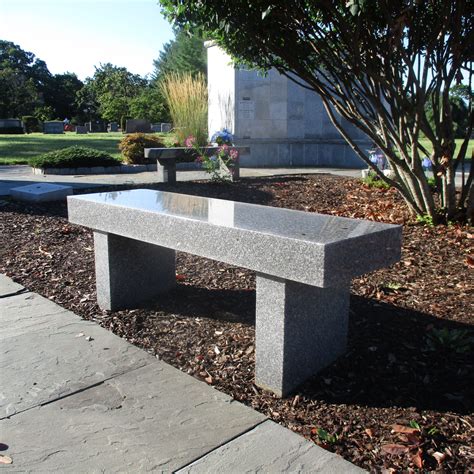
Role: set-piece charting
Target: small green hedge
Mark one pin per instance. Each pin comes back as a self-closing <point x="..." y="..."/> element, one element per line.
<point x="74" y="157"/>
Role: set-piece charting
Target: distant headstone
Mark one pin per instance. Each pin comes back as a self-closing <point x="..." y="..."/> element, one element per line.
<point x="96" y="127"/>
<point x="4" y="123"/>
<point x="166" y="127"/>
<point x="53" y="127"/>
<point x="156" y="127"/>
<point x="81" y="129"/>
<point x="137" y="126"/>
<point x="113" y="127"/>
<point x="11" y="125"/>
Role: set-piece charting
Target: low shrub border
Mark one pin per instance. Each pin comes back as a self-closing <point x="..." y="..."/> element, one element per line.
<point x="74" y="157"/>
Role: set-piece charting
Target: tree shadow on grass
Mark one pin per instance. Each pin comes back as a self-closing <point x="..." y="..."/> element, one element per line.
<point x="390" y="361"/>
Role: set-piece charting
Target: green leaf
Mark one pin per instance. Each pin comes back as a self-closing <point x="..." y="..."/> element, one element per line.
<point x="414" y="424"/>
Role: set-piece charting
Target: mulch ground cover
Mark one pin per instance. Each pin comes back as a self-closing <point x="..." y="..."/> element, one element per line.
<point x="401" y="399"/>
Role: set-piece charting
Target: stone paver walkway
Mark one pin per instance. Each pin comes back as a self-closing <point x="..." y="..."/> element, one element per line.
<point x="21" y="175"/>
<point x="76" y="398"/>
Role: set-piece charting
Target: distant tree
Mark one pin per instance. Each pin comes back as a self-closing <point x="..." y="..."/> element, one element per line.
<point x="459" y="103"/>
<point x="375" y="63"/>
<point x="20" y="93"/>
<point x="86" y="103"/>
<point x="28" y="88"/>
<point x="45" y="112"/>
<point x="150" y="105"/>
<point x="183" y="54"/>
<point x="462" y="91"/>
<point x="63" y="97"/>
<point x="112" y="88"/>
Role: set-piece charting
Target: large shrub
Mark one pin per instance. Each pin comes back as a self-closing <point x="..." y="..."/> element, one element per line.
<point x="186" y="96"/>
<point x="74" y="157"/>
<point x="133" y="146"/>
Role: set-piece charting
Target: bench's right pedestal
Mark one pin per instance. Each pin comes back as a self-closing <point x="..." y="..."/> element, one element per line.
<point x="300" y="329"/>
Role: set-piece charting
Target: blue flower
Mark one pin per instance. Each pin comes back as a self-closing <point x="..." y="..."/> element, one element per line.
<point x="426" y="163"/>
<point x="222" y="136"/>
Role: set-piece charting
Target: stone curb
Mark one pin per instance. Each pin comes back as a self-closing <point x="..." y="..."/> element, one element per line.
<point x="123" y="169"/>
<point x="95" y="170"/>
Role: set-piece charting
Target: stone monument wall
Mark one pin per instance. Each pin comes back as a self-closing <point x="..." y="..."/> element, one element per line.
<point x="283" y="123"/>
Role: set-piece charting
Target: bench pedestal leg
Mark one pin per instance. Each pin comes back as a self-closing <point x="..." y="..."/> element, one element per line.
<point x="166" y="171"/>
<point x="130" y="273"/>
<point x="300" y="329"/>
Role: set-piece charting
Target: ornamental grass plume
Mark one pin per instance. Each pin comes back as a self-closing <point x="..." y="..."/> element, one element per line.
<point x="186" y="96"/>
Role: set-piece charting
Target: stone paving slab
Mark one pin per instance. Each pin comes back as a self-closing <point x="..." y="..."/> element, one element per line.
<point x="270" y="448"/>
<point x="41" y="357"/>
<point x="103" y="405"/>
<point x="8" y="286"/>
<point x="15" y="175"/>
<point x="17" y="317"/>
<point x="151" y="419"/>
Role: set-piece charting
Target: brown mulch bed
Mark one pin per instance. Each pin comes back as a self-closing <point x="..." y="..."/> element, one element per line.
<point x="402" y="397"/>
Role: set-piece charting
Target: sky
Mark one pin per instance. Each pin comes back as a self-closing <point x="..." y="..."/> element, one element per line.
<point x="76" y="35"/>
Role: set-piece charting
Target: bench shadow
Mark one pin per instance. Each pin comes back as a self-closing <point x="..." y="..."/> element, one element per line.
<point x="393" y="357"/>
<point x="234" y="306"/>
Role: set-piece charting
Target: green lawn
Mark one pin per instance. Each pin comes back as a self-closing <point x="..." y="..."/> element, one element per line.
<point x="18" y="149"/>
<point x="470" y="147"/>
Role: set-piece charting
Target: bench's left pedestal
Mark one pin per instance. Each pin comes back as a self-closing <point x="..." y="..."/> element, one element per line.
<point x="130" y="273"/>
<point x="166" y="168"/>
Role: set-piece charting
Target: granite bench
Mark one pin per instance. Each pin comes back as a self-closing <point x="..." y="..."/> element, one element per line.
<point x="304" y="264"/>
<point x="166" y="159"/>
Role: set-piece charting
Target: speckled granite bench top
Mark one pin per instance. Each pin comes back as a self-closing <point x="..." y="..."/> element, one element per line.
<point x="315" y="249"/>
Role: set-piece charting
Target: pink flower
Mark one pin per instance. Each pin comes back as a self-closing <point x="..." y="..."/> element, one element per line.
<point x="199" y="159"/>
<point x="190" y="142"/>
<point x="224" y="149"/>
<point x="234" y="154"/>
